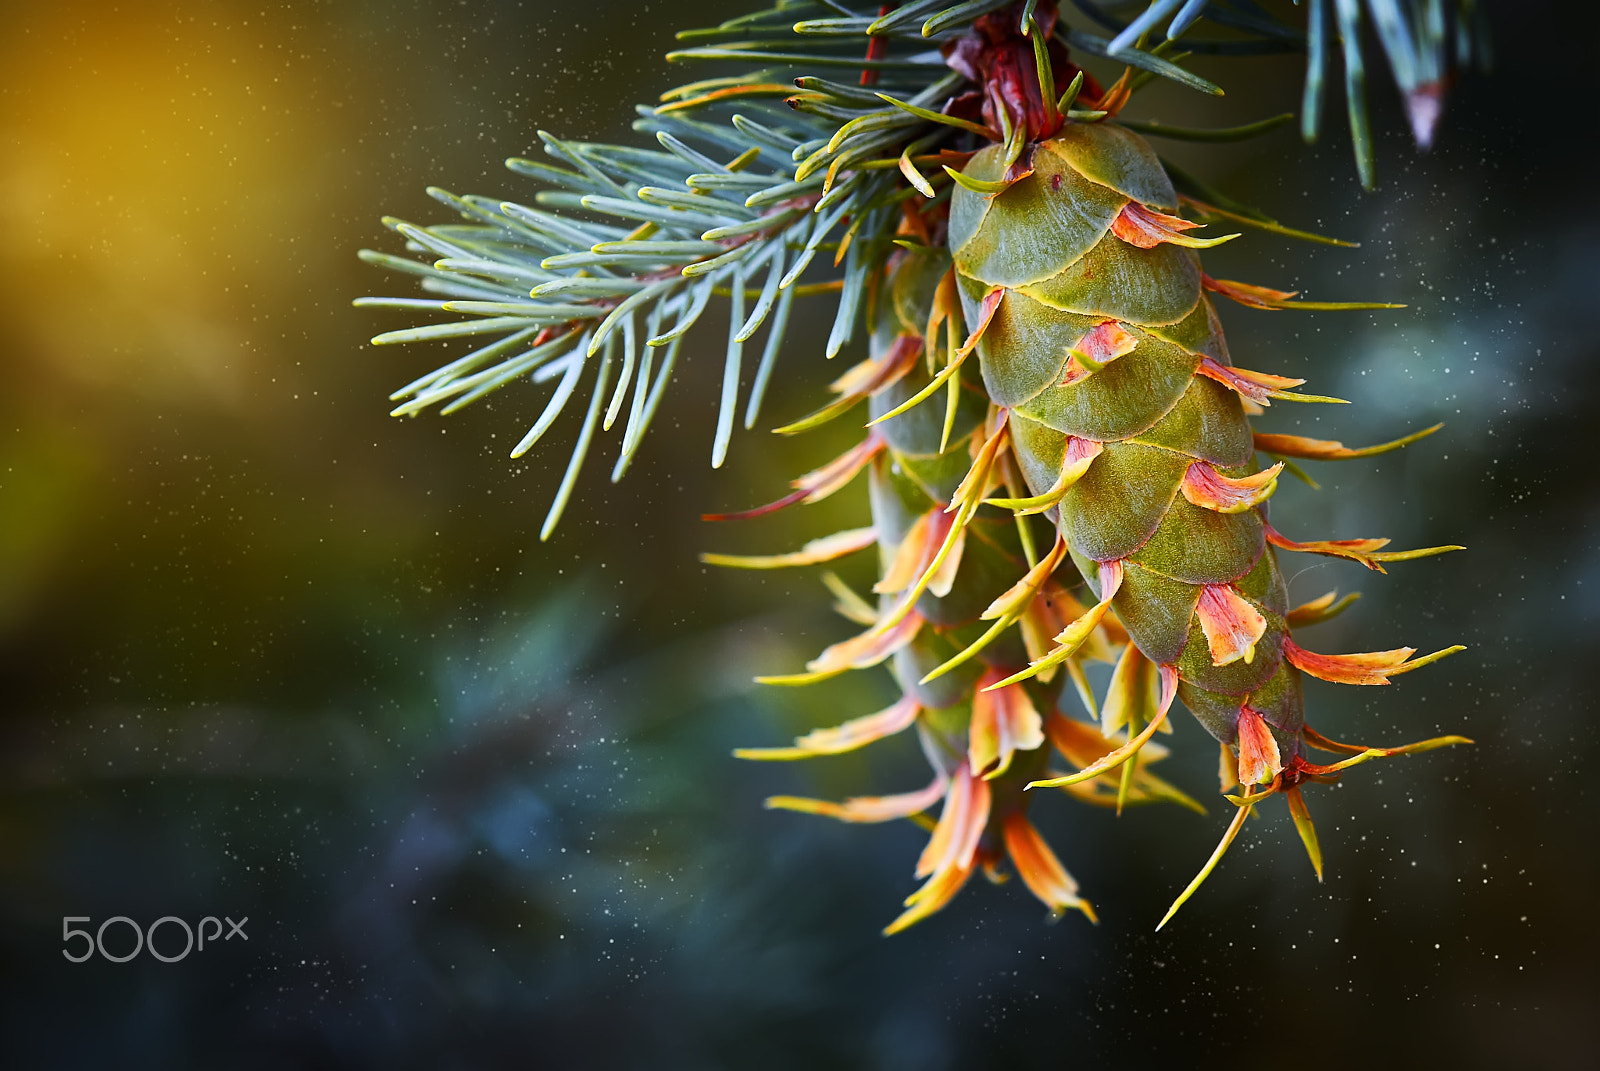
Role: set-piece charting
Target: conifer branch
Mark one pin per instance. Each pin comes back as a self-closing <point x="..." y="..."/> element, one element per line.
<point x="750" y="180"/>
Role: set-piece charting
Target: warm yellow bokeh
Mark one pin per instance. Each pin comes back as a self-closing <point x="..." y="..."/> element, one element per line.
<point x="159" y="174"/>
<point x="151" y="167"/>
